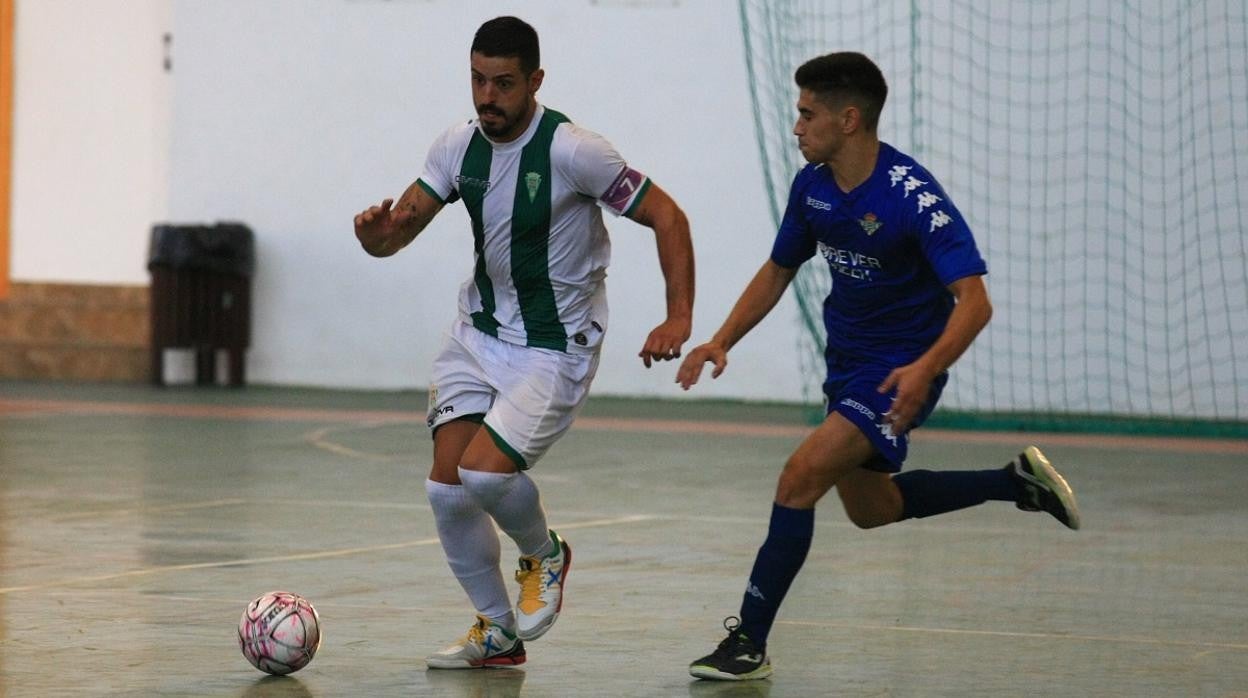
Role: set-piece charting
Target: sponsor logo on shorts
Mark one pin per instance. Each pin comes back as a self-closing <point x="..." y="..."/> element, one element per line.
<point x="886" y="428"/>
<point x="753" y="591"/>
<point x="859" y="407"/>
<point x="438" y="412"/>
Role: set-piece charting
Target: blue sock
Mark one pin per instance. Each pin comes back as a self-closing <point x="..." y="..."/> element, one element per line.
<point x="928" y="493"/>
<point x="775" y="567"/>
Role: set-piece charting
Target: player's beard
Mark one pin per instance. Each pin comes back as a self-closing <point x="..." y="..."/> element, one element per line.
<point x="503" y="123"/>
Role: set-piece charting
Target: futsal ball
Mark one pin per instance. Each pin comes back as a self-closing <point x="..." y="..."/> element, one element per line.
<point x="279" y="632"/>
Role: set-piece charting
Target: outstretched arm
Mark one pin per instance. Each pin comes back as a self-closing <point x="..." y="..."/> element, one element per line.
<point x="657" y="210"/>
<point x="383" y="230"/>
<point x="759" y="297"/>
<point x="914" y="380"/>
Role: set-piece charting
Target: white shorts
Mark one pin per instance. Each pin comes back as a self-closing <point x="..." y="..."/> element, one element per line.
<point x="529" y="396"/>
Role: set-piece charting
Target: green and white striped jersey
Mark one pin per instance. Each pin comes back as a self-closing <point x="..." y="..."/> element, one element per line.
<point x="541" y="246"/>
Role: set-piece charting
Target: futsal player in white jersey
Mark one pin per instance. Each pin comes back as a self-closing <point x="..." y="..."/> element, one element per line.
<point x="517" y="363"/>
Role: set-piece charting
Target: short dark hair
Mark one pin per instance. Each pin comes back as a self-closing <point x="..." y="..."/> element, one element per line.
<point x="846" y="76"/>
<point x="508" y="37"/>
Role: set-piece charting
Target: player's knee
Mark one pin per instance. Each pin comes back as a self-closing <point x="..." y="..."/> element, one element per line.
<point x="486" y="487"/>
<point x="798" y="487"/>
<point x="871" y="507"/>
<point x="865" y="519"/>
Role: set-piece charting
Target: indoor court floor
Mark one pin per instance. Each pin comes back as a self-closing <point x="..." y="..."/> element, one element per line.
<point x="136" y="523"/>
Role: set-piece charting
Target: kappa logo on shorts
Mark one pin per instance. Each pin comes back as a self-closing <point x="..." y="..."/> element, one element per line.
<point x="886" y="429"/>
<point x="859" y="407"/>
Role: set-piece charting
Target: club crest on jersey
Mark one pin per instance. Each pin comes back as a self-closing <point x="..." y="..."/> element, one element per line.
<point x="533" y="181"/>
<point x="870" y="224"/>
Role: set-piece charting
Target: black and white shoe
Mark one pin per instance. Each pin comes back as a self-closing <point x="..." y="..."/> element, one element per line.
<point x="736" y="659"/>
<point x="1042" y="488"/>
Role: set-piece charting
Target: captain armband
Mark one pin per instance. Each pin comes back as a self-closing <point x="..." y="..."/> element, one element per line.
<point x="625" y="192"/>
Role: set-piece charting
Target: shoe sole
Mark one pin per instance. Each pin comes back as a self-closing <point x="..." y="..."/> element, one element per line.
<point x="1046" y="473"/>
<point x="702" y="671"/>
<point x="483" y="664"/>
<point x="534" y="633"/>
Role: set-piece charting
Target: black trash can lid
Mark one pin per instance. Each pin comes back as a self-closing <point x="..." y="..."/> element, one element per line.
<point x="226" y="248"/>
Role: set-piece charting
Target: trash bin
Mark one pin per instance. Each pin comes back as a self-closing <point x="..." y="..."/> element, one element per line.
<point x="201" y="296"/>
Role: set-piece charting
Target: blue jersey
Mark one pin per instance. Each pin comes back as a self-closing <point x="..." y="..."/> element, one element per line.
<point x="893" y="245"/>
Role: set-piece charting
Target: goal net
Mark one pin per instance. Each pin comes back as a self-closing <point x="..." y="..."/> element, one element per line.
<point x="1099" y="151"/>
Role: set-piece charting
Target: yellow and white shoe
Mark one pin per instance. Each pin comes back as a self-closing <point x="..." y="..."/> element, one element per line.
<point x="486" y="644"/>
<point x="541" y="589"/>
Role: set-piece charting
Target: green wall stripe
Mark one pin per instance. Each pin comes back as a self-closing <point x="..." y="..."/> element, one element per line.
<point x="1086" y="424"/>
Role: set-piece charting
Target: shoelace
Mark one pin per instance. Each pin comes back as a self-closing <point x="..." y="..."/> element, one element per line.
<point x="476" y="634"/>
<point x="732" y="644"/>
<point x="531" y="578"/>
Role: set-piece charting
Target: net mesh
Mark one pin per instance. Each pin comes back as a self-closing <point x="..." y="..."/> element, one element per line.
<point x="1100" y="153"/>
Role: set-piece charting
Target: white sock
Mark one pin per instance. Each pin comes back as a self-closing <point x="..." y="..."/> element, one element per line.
<point x="472" y="551"/>
<point x="513" y="500"/>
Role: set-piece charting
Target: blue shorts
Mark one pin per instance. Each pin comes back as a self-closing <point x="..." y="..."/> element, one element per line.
<point x="851" y="391"/>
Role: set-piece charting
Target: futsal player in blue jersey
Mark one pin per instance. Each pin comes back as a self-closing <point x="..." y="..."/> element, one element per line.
<point x="907" y="299"/>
